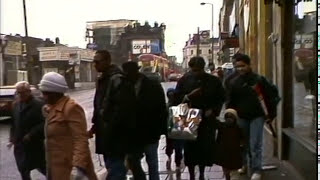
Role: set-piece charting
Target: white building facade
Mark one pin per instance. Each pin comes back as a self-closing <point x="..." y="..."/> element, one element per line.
<point x="205" y="50"/>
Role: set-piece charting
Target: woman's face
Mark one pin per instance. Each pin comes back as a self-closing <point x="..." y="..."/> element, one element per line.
<point x="48" y="97"/>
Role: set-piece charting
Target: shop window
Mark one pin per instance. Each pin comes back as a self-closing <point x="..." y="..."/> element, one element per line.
<point x="305" y="70"/>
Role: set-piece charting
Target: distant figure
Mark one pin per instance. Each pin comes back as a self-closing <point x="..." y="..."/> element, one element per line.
<point x="67" y="145"/>
<point x="151" y="121"/>
<point x="27" y="132"/>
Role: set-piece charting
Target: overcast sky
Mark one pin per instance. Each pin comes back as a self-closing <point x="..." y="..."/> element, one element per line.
<point x="67" y="19"/>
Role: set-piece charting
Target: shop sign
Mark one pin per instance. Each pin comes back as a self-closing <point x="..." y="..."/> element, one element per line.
<point x="231" y="42"/>
<point x="48" y="55"/>
<point x="146" y="46"/>
<point x="304" y="41"/>
<point x="86" y="54"/>
<point x="224" y="35"/>
<point x="13" y="48"/>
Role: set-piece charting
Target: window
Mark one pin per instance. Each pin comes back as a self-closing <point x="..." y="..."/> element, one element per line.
<point x="305" y="71"/>
<point x="191" y="52"/>
<point x="209" y="51"/>
<point x="200" y="51"/>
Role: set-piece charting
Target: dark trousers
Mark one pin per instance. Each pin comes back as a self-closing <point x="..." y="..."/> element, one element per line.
<point x="177" y="146"/>
<point x="115" y="167"/>
<point x="23" y="163"/>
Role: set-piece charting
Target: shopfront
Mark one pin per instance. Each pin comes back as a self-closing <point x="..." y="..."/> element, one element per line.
<point x="299" y="123"/>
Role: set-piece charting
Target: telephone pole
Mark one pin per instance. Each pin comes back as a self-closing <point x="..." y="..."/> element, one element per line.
<point x="198" y="42"/>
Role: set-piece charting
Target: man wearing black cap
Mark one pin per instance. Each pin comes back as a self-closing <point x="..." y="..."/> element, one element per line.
<point x="151" y="124"/>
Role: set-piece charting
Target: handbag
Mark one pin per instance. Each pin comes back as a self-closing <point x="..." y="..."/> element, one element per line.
<point x="183" y="122"/>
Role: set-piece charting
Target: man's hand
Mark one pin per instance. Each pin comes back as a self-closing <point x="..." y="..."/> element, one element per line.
<point x="268" y="121"/>
<point x="26" y="138"/>
<point x="91" y="132"/>
<point x="9" y="145"/>
<point x="208" y="113"/>
<point x="78" y="173"/>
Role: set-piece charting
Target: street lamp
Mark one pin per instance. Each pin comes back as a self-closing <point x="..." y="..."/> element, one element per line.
<point x="3" y="44"/>
<point x="212" y="43"/>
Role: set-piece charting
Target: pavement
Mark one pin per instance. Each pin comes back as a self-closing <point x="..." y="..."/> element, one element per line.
<point x="85" y="96"/>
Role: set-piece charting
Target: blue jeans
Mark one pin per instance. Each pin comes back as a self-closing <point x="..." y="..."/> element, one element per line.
<point x="151" y="153"/>
<point x="253" y="131"/>
<point x="115" y="167"/>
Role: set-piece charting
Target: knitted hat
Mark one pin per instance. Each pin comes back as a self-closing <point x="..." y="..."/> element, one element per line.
<point x="53" y="82"/>
<point x="232" y="111"/>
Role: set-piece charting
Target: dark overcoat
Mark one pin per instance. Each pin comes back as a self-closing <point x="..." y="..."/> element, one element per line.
<point x="28" y="119"/>
<point x="202" y="151"/>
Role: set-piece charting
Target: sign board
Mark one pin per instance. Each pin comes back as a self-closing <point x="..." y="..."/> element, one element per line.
<point x="92" y="46"/>
<point x="231" y="42"/>
<point x="304" y="41"/>
<point x="87" y="54"/>
<point x="205" y="34"/>
<point x="64" y="55"/>
<point x="141" y="46"/>
<point x="146" y="46"/>
<point x="49" y="55"/>
<point x="13" y="48"/>
<point x="224" y="35"/>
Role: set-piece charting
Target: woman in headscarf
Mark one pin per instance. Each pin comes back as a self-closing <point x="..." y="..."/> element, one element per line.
<point x="67" y="147"/>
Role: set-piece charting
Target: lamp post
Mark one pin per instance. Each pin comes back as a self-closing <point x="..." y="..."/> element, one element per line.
<point x="212" y="43"/>
<point x="3" y="44"/>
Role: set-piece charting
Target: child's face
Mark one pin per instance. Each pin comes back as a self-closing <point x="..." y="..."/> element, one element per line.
<point x="170" y="95"/>
<point x="230" y="118"/>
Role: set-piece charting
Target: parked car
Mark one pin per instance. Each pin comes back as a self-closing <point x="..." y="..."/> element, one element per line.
<point x="7" y="97"/>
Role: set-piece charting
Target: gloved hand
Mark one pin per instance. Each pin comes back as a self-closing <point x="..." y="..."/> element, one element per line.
<point x="78" y="174"/>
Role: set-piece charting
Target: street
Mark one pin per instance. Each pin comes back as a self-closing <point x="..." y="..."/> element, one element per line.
<point x="8" y="169"/>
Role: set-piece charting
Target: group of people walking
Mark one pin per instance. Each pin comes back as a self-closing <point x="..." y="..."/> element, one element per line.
<point x="130" y="114"/>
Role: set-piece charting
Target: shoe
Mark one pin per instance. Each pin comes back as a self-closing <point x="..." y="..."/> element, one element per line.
<point x="168" y="164"/>
<point x="243" y="170"/>
<point x="256" y="176"/>
<point x="201" y="177"/>
<point x="234" y="175"/>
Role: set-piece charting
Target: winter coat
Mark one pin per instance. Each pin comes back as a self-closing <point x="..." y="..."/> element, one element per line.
<point x="98" y="122"/>
<point x="228" y="149"/>
<point x="115" y="114"/>
<point x="29" y="120"/>
<point x="67" y="143"/>
<point x="202" y="151"/>
<point x="242" y="97"/>
<point x="151" y="111"/>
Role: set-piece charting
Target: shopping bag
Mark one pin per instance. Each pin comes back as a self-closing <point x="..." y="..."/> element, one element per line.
<point x="183" y="122"/>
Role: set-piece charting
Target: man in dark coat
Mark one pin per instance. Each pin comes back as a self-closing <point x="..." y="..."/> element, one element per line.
<point x="202" y="91"/>
<point x="113" y="116"/>
<point x="243" y="97"/>
<point x="151" y="124"/>
<point x="27" y="132"/>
